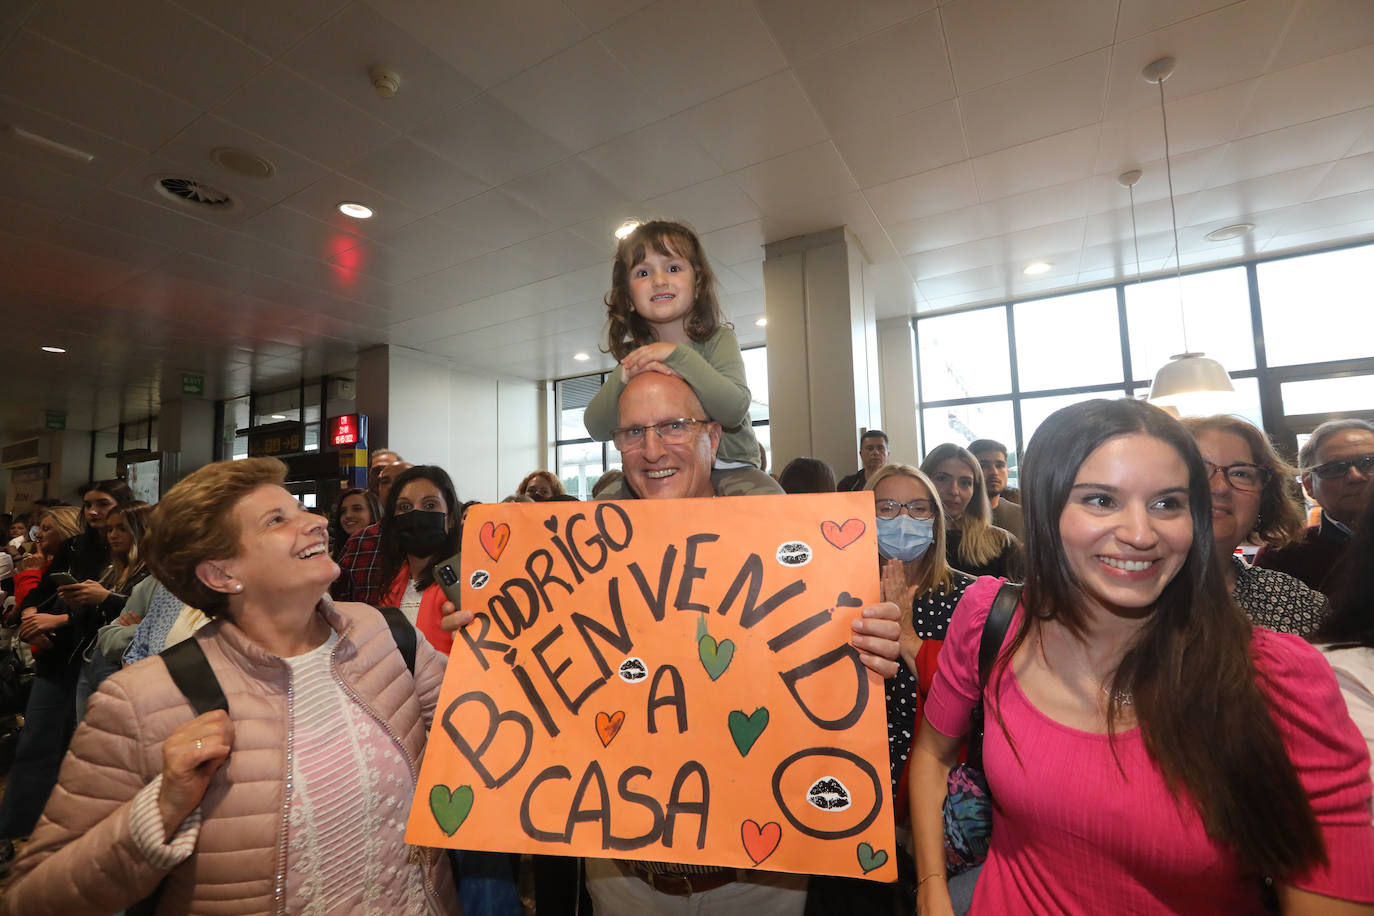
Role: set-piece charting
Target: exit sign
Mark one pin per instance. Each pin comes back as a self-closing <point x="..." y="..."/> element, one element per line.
<point x="192" y="383"/>
<point x="344" y="430"/>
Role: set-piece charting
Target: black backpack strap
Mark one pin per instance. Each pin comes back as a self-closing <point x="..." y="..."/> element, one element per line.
<point x="191" y="672"/>
<point x="403" y="631"/>
<point x="995" y="629"/>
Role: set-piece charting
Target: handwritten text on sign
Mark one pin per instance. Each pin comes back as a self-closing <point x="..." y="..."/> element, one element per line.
<point x="670" y="681"/>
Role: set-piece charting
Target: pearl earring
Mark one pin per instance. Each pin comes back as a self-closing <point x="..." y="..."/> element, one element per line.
<point x="238" y="586"/>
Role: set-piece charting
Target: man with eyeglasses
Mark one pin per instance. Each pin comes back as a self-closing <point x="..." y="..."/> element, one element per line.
<point x="872" y="455"/>
<point x="1337" y="467"/>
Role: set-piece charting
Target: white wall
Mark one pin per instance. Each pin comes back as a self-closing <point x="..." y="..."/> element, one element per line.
<point x="897" y="365"/>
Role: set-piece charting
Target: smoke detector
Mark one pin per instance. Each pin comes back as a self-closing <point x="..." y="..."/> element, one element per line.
<point x="385" y="80"/>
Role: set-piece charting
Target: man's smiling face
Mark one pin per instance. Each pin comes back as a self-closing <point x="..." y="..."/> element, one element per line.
<point x="656" y="469"/>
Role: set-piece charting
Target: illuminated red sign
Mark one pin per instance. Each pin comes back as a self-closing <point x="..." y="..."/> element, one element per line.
<point x="344" y="430"/>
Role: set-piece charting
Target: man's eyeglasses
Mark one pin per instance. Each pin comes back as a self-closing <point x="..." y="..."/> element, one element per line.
<point x="1245" y="477"/>
<point x="917" y="508"/>
<point x="670" y="432"/>
<point x="1335" y="470"/>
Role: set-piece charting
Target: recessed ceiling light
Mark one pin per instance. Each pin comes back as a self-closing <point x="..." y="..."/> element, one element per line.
<point x="1226" y="233"/>
<point x="278" y="416"/>
<point x="1039" y="267"/>
<point x="581" y="357"/>
<point x="630" y="225"/>
<point x="762" y="322"/>
<point x="54" y="349"/>
<point x="355" y="210"/>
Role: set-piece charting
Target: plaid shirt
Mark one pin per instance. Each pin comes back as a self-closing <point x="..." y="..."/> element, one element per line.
<point x="360" y="568"/>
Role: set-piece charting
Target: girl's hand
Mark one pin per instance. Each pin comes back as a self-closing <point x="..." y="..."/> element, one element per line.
<point x="451" y="619"/>
<point x="34" y="624"/>
<point x="129" y="618"/>
<point x="190" y="757"/>
<point x="876" y="631"/>
<point x="33" y="561"/>
<point x="932" y="898"/>
<point x="660" y="368"/>
<point x="638" y="360"/>
<point x="84" y="594"/>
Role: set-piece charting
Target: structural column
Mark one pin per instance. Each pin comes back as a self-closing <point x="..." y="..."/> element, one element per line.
<point x="823" y="386"/>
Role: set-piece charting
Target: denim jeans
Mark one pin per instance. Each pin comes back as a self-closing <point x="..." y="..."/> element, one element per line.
<point x="49" y="720"/>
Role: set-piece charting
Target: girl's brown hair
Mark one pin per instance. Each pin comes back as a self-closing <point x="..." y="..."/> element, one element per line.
<point x="1281" y="517"/>
<point x="982" y="540"/>
<point x="1203" y="717"/>
<point x="125" y="569"/>
<point x="554" y="483"/>
<point x="628" y="331"/>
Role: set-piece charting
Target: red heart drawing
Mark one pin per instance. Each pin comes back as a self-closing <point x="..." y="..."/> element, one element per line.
<point x="843" y="535"/>
<point x="759" y="842"/>
<point x="607" y="727"/>
<point x="494" y="538"/>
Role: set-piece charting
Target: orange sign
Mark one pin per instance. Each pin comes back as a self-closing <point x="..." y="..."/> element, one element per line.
<point x="670" y="681"/>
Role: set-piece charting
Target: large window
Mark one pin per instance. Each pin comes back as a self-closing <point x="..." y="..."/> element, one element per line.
<point x="581" y="459"/>
<point x="1296" y="334"/>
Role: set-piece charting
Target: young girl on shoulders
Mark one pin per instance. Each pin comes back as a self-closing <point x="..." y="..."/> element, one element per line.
<point x="664" y="317"/>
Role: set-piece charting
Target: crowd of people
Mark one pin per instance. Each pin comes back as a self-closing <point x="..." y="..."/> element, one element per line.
<point x="1169" y="727"/>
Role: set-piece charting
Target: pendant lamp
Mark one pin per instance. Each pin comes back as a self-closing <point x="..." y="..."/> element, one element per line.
<point x="1189" y="379"/>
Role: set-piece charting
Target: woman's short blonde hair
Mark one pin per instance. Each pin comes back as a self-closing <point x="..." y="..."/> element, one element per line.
<point x="195" y="522"/>
<point x="1282" y="518"/>
<point x="66" y="520"/>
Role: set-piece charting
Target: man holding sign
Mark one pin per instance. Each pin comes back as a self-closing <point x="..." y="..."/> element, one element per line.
<point x="668" y="446"/>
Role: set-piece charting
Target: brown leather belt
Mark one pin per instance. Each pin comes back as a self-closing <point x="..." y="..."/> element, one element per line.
<point x="683" y="884"/>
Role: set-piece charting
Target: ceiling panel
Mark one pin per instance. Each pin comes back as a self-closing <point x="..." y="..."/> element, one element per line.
<point x="956" y="140"/>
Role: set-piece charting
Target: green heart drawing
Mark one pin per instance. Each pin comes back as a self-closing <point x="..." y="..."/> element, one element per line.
<point x="715" y="656"/>
<point x="450" y="808"/>
<point x="746" y="729"/>
<point x="869" y="860"/>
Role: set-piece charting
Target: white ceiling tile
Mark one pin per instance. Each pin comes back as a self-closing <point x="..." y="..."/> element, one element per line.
<point x="735" y="244"/>
<point x="964" y="282"/>
<point x="705" y="207"/>
<point x="807" y="216"/>
<point x="490" y="42"/>
<point x="1324" y="27"/>
<point x="559" y="253"/>
<point x="28" y="221"/>
<point x="1207" y="119"/>
<point x="807" y="174"/>
<point x="570" y="192"/>
<point x="144" y="218"/>
<point x="268" y="25"/>
<point x="1326" y="87"/>
<point x="1234" y="202"/>
<point x="935" y="191"/>
<point x="991" y="41"/>
<point x="1212" y="50"/>
<point x="884" y="75"/>
<point x="1324" y="140"/>
<point x="321" y="201"/>
<point x="757" y="122"/>
<point x="193" y="146"/>
<point x="385" y="262"/>
<point x="156" y="42"/>
<point x="46" y="76"/>
<point x="1152" y="218"/>
<point x="715" y="46"/>
<point x="1039" y="164"/>
<point x="805" y="28"/>
<point x="597" y="14"/>
<point x="439" y="242"/>
<point x="1037" y="208"/>
<point x="416" y="176"/>
<point x="1349" y="175"/>
<point x="482" y="276"/>
<point x="295" y="230"/>
<point x="653" y="160"/>
<point x="942" y="230"/>
<point x="1049" y="101"/>
<point x="1192" y="172"/>
<point x="581" y="97"/>
<point x="288" y="109"/>
<point x="490" y="141"/>
<point x="1319" y="214"/>
<point x="955" y="259"/>
<point x="340" y="55"/>
<point x="1136" y="17"/>
<point x="893" y="148"/>
<point x="1359" y="231"/>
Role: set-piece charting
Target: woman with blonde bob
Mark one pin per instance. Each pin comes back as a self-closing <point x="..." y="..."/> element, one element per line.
<point x="1255" y="500"/>
<point x="973" y="543"/>
<point x="293" y="800"/>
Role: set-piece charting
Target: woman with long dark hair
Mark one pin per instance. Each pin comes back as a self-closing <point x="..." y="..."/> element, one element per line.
<point x="356" y="509"/>
<point x="420" y="527"/>
<point x="1148" y="751"/>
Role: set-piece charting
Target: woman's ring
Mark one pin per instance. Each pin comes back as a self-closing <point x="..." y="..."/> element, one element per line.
<point x="199" y="743"/>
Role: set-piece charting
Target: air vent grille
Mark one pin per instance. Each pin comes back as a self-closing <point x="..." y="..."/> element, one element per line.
<point x="192" y="192"/>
